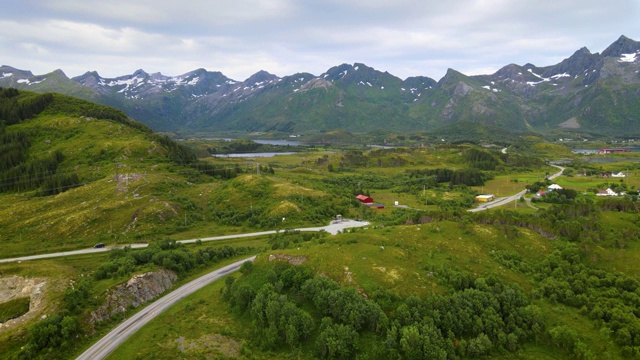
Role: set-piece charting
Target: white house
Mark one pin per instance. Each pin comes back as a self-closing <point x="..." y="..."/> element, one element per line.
<point x="607" y="192"/>
<point x="618" y="174"/>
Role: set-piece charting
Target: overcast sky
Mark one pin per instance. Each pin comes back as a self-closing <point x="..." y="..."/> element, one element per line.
<point x="241" y="37"/>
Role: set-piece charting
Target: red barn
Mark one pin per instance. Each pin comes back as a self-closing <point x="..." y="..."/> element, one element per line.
<point x="364" y="199"/>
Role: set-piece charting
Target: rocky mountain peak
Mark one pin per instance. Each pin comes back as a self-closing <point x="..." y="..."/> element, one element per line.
<point x="8" y="71"/>
<point x="338" y="72"/>
<point x="623" y="45"/>
<point x="260" y="77"/>
<point x="141" y="73"/>
<point x="510" y="71"/>
<point x="451" y="78"/>
<point x="580" y="62"/>
<point x="90" y="78"/>
<point x="59" y="73"/>
<point x="419" y="82"/>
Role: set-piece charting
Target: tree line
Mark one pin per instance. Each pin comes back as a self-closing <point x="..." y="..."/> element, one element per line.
<point x="166" y="253"/>
<point x="15" y="108"/>
<point x="468" y="177"/>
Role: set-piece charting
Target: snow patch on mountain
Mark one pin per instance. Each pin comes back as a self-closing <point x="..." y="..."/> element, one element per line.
<point x="27" y="82"/>
<point x="4" y="75"/>
<point x="183" y="81"/>
<point x="544" y="79"/>
<point x="628" y="58"/>
<point x="490" y="88"/>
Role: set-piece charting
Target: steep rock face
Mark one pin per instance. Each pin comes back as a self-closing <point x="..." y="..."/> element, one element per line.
<point x="623" y="45"/>
<point x="135" y="292"/>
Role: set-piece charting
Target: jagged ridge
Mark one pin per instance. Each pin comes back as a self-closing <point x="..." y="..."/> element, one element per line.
<point x="358" y="98"/>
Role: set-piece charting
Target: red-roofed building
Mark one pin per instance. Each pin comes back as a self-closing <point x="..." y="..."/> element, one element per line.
<point x="364" y="199"/>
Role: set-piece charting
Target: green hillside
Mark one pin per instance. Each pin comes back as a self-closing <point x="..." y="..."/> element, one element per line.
<point x="76" y="173"/>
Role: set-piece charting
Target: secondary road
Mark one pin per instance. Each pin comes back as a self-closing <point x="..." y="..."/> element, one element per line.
<point x="117" y="336"/>
<point x="333" y="228"/>
<point x="505" y="200"/>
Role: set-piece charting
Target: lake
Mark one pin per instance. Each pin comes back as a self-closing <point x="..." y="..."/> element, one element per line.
<point x="278" y="142"/>
<point x="252" y="155"/>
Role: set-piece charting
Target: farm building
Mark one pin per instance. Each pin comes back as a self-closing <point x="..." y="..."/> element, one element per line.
<point x="607" y="192"/>
<point x="485" y="198"/>
<point x="618" y="174"/>
<point x="554" y="187"/>
<point x="364" y="199"/>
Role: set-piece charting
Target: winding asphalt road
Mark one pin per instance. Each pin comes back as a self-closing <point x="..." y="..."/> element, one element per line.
<point x="333" y="228"/>
<point x="117" y="336"/>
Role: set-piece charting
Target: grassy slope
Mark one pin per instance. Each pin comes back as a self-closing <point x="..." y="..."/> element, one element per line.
<point x="102" y="209"/>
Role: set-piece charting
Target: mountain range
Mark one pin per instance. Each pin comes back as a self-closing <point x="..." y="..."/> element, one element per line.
<point x="596" y="93"/>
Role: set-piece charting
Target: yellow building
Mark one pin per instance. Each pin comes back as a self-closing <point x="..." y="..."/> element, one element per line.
<point x="485" y="198"/>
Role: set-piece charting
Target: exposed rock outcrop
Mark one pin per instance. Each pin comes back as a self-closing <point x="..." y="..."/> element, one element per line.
<point x="293" y="260"/>
<point x="135" y="292"/>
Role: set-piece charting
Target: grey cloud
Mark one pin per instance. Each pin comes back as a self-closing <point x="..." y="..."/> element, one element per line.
<point x="404" y="37"/>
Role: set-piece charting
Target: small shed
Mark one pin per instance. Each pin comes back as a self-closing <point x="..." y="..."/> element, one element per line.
<point x="364" y="199"/>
